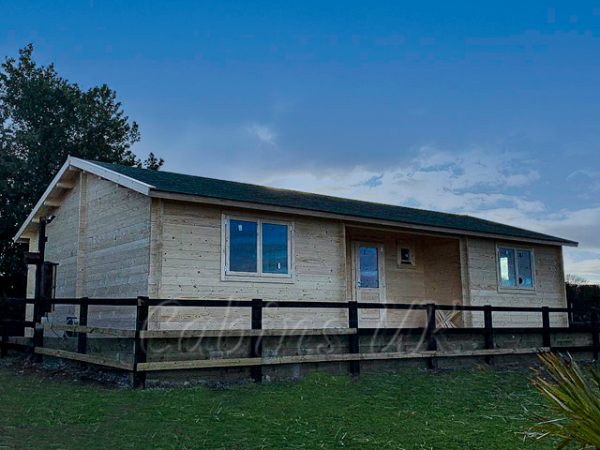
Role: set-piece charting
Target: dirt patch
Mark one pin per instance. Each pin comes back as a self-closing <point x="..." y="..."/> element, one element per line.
<point x="56" y="369"/>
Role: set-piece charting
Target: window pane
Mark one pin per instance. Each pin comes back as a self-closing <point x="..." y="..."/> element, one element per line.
<point x="525" y="278"/>
<point x="369" y="267"/>
<point x="274" y="248"/>
<point x="242" y="246"/>
<point x="506" y="257"/>
<point x="405" y="257"/>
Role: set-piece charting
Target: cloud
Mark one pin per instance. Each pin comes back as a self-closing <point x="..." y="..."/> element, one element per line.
<point x="468" y="182"/>
<point x="263" y="133"/>
<point x="587" y="267"/>
<point x="493" y="185"/>
<point x="484" y="184"/>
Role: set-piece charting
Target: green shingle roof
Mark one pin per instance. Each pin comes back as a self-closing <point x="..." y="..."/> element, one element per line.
<point x="243" y="192"/>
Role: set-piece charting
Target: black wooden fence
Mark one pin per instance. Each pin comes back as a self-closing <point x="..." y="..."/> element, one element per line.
<point x="140" y="334"/>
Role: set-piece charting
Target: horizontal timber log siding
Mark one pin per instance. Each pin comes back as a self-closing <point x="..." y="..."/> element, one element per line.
<point x="191" y="268"/>
<point x="100" y="239"/>
<point x="549" y="284"/>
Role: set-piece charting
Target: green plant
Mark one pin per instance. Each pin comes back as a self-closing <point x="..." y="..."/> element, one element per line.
<point x="572" y="413"/>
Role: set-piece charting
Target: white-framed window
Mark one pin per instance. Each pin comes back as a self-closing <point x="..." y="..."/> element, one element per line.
<point x="257" y="247"/>
<point x="406" y="254"/>
<point x="515" y="267"/>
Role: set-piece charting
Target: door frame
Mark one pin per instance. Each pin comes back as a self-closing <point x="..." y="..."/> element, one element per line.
<point x="356" y="244"/>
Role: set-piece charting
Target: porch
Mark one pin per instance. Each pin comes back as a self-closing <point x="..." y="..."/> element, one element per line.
<point x="385" y="266"/>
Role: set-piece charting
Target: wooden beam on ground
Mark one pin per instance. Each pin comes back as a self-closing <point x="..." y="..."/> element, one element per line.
<point x="245" y="362"/>
<point x="90" y="359"/>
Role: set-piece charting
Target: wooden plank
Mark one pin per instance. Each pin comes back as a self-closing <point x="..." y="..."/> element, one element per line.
<point x="245" y="362"/>
<point x="91" y="330"/>
<point x="176" y="334"/>
<point x="97" y="360"/>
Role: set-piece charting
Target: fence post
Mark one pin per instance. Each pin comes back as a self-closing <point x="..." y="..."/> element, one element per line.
<point x="3" y="327"/>
<point x="430" y="333"/>
<point x="83" y="316"/>
<point x="354" y="344"/>
<point x="546" y="340"/>
<point x="256" y="341"/>
<point x="38" y="331"/>
<point x="139" y="345"/>
<point x="570" y="312"/>
<point x="595" y="334"/>
<point x="488" y="332"/>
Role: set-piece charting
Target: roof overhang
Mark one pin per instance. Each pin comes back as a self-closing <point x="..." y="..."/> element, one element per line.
<point x="73" y="163"/>
<point x="70" y="164"/>
<point x="355" y="219"/>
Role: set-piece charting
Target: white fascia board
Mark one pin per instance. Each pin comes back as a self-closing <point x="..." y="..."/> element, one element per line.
<point x="111" y="175"/>
<point x="102" y="172"/>
<point x="42" y="199"/>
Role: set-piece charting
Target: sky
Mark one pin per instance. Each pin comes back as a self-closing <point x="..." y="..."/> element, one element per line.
<point x="483" y="108"/>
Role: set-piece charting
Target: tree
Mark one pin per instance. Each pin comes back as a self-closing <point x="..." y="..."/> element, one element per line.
<point x="575" y="280"/>
<point x="152" y="162"/>
<point x="43" y="119"/>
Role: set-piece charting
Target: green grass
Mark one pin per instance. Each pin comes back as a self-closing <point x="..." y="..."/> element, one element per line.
<point x="475" y="409"/>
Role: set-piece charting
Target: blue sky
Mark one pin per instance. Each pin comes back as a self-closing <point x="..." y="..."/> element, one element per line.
<point x="485" y="108"/>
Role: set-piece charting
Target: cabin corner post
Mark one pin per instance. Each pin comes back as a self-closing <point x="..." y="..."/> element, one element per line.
<point x="256" y="341"/>
<point x="354" y="344"/>
<point x="40" y="301"/>
<point x="139" y="345"/>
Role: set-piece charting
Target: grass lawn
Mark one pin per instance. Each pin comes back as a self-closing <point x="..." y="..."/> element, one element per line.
<point x="475" y="409"/>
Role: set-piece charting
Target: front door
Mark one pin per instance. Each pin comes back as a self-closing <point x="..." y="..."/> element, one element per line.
<point x="369" y="284"/>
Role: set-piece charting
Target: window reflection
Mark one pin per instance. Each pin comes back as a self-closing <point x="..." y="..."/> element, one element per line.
<point x="242" y="246"/>
<point x="274" y="248"/>
<point x="369" y="267"/>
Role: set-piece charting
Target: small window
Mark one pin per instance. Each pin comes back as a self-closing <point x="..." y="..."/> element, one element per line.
<point x="515" y="268"/>
<point x="406" y="257"/>
<point x="257" y="248"/>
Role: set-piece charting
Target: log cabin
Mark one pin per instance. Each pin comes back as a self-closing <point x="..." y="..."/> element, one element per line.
<point x="121" y="232"/>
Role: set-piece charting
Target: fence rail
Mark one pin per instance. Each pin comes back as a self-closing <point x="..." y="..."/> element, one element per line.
<point x="140" y="333"/>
